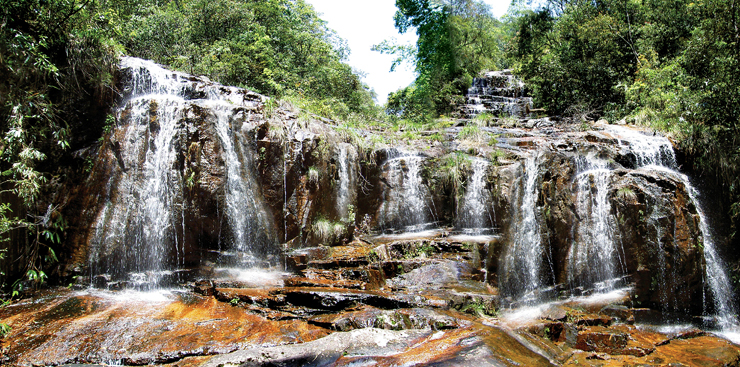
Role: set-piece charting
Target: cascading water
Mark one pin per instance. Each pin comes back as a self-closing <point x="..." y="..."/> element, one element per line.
<point x="144" y="223"/>
<point x="407" y="205"/>
<point x="141" y="227"/>
<point x="250" y="224"/>
<point x="522" y="274"/>
<point x="657" y="153"/>
<point x="347" y="172"/>
<point x="646" y="150"/>
<point x="475" y="212"/>
<point x="593" y="257"/>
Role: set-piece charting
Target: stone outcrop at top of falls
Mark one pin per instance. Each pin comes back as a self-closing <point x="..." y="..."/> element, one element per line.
<point x="499" y="93"/>
<point x="195" y="176"/>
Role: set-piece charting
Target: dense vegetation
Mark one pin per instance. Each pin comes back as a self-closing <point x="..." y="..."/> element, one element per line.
<point x="457" y="40"/>
<point x="276" y="47"/>
<point x="57" y="71"/>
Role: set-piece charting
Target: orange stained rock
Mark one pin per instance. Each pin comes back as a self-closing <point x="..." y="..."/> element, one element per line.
<point x="481" y="343"/>
<point x="94" y="328"/>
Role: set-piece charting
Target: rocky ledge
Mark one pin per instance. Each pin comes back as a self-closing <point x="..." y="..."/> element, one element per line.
<point x="384" y="301"/>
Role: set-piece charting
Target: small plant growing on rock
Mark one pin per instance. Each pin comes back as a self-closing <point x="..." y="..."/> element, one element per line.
<point x="277" y="132"/>
<point x="471" y="132"/>
<point x="496" y="156"/>
<point x="190" y="180"/>
<point x="479" y="309"/>
<point x="328" y="232"/>
<point x="269" y="107"/>
<point x="454" y="170"/>
<point x="484" y="119"/>
<point x="372" y="256"/>
<point x="4" y="330"/>
<point x="626" y="194"/>
<point x="234" y="301"/>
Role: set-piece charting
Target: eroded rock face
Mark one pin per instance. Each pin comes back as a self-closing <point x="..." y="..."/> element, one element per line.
<point x="604" y="218"/>
<point x="647" y="216"/>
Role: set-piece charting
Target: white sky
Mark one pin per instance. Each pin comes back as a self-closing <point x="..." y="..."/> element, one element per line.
<point x="364" y="23"/>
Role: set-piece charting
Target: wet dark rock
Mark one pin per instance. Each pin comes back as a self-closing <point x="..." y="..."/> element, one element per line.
<point x="602" y="341"/>
<point x="619" y="312"/>
<point x="401" y="319"/>
<point x="432" y="275"/>
<point x="555" y="313"/>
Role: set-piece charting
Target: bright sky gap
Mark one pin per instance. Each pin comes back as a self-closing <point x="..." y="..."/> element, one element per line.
<point x="364" y="23"/>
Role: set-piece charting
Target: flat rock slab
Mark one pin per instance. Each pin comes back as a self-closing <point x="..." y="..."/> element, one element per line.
<point x="704" y="351"/>
<point x="402" y="319"/>
<point x="136" y="328"/>
<point x="470" y="346"/>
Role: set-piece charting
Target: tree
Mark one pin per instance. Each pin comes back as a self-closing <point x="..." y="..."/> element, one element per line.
<point x="577" y="55"/>
<point x="55" y="67"/>
<point x="276" y="47"/>
<point x="457" y="39"/>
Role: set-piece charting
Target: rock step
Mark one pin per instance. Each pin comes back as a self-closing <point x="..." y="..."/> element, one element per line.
<point x="418" y="249"/>
<point x="366" y="277"/>
<point x="400" y="319"/>
<point x="322" y="282"/>
<point x="337" y="263"/>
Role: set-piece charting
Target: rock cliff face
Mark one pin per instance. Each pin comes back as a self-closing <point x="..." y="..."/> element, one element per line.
<point x="198" y="176"/>
<point x="275" y="237"/>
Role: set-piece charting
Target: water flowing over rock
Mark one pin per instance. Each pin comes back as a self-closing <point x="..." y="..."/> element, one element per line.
<point x="286" y="239"/>
<point x="594" y="259"/>
<point x="525" y="264"/>
<point x="166" y="127"/>
<point x="475" y="216"/>
<point x="347" y="172"/>
<point x="656" y="153"/>
<point x="406" y="203"/>
<point x="499" y="93"/>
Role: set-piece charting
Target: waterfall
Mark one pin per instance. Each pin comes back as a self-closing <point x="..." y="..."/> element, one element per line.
<point x="474" y="213"/>
<point x="657" y="153"/>
<point x="407" y="203"/>
<point x="139" y="233"/>
<point x="719" y="282"/>
<point x="522" y="271"/>
<point x="646" y="150"/>
<point x="142" y="212"/>
<point x="250" y="224"/>
<point x="347" y="173"/>
<point x="593" y="258"/>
